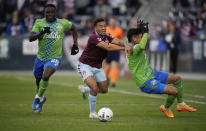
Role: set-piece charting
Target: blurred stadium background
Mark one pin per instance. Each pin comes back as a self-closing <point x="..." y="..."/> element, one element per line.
<point x="177" y="30"/>
<point x="177" y="44"/>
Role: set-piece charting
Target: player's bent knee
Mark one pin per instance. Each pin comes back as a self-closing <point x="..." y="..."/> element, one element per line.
<point x="178" y="78"/>
<point x="175" y="92"/>
<point x="94" y="91"/>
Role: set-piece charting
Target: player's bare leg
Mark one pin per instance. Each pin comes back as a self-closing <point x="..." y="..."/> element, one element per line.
<point x="91" y="82"/>
<point x="103" y="88"/>
<point x="37" y="84"/>
<point x="172" y="92"/>
<point x="177" y="82"/>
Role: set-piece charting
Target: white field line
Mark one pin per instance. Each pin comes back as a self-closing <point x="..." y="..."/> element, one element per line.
<point x="151" y="96"/>
<point x="123" y="91"/>
<point x="75" y="104"/>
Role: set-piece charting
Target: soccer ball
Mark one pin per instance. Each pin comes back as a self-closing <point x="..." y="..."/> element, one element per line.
<point x="105" y="114"/>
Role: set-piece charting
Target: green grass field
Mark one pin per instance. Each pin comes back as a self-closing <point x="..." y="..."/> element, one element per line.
<point x="65" y="110"/>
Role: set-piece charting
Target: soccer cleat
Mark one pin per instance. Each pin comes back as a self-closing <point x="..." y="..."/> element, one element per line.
<point x="81" y="88"/>
<point x="167" y="112"/>
<point x="35" y="104"/>
<point x="113" y="85"/>
<point x="186" y="108"/>
<point x="93" y="115"/>
<point x="38" y="110"/>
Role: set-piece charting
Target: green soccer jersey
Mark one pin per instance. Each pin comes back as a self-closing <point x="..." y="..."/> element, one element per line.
<point x="138" y="63"/>
<point x="50" y="45"/>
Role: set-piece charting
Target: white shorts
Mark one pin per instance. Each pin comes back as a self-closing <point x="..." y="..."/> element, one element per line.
<point x="86" y="71"/>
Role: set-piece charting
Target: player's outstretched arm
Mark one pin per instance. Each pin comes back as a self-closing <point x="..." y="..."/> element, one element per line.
<point x="118" y="42"/>
<point x="142" y="44"/>
<point x="75" y="48"/>
<point x="143" y="41"/>
<point x="74" y="34"/>
<point x="108" y="47"/>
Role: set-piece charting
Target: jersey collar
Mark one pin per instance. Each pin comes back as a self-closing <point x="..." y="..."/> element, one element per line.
<point x="51" y="22"/>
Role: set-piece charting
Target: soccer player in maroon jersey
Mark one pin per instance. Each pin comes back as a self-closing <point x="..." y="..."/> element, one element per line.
<point x="90" y="62"/>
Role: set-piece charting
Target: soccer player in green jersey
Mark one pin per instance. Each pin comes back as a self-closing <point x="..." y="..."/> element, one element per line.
<point x="151" y="81"/>
<point x="49" y="31"/>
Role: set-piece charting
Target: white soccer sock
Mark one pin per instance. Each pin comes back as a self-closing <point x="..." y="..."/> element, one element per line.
<point x="164" y="108"/>
<point x="38" y="97"/>
<point x="181" y="104"/>
<point x="92" y="103"/>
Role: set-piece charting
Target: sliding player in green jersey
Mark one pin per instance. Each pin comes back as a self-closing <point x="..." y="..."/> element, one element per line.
<point x="151" y="81"/>
<point x="49" y="31"/>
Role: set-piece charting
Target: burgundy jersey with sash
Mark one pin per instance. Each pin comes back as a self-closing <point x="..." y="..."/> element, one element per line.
<point x="92" y="54"/>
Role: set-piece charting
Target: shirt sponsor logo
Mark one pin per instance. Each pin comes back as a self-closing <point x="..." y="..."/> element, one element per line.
<point x="53" y="35"/>
<point x="99" y="39"/>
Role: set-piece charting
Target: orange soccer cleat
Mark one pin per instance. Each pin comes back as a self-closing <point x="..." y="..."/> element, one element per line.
<point x="185" y="108"/>
<point x="167" y="112"/>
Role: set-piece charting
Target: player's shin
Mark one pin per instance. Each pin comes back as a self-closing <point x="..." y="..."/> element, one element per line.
<point x="92" y="103"/>
<point x="178" y="85"/>
<point x="36" y="89"/>
<point x="169" y="101"/>
<point x="42" y="87"/>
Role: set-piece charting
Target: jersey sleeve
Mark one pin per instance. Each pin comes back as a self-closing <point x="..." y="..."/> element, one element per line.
<point x="142" y="44"/>
<point x="67" y="24"/>
<point x="36" y="27"/>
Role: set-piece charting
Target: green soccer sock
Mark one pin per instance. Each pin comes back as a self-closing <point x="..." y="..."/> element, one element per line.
<point x="169" y="101"/>
<point x="37" y="89"/>
<point x="42" y="87"/>
<point x="178" y="85"/>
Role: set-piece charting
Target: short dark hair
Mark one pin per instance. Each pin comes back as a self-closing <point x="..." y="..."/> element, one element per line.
<point x="49" y="5"/>
<point x="98" y="20"/>
<point x="133" y="31"/>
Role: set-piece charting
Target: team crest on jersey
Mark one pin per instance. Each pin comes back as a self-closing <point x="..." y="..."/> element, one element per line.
<point x="154" y="82"/>
<point x="99" y="39"/>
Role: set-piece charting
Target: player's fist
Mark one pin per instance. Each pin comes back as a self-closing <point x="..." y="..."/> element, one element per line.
<point x="140" y="23"/>
<point x="45" y="30"/>
<point x="146" y="27"/>
<point x="74" y="50"/>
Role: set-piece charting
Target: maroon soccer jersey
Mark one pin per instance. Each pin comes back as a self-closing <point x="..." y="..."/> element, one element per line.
<point x="92" y="54"/>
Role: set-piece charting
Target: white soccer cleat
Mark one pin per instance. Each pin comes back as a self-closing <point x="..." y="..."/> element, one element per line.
<point x="81" y="88"/>
<point x="93" y="115"/>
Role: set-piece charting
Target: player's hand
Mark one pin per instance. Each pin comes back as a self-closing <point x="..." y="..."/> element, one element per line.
<point x="74" y="50"/>
<point x="140" y="23"/>
<point x="146" y="27"/>
<point x="128" y="49"/>
<point x="45" y="30"/>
